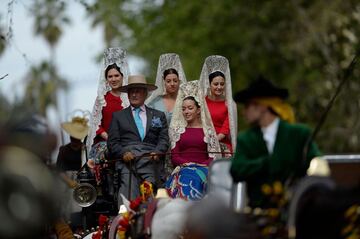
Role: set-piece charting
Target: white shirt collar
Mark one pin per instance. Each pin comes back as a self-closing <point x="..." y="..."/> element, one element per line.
<point x="143" y="108"/>
<point x="269" y="134"/>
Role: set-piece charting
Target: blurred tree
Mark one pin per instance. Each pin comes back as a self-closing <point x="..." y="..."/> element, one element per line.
<point x="2" y="39"/>
<point x="6" y="34"/>
<point x="43" y="84"/>
<point x="49" y="19"/>
<point x="107" y="14"/>
<point x="301" y="44"/>
<point x="5" y="107"/>
<point x="43" y="80"/>
<point x="328" y="40"/>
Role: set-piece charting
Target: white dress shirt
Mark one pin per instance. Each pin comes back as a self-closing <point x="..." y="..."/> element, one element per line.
<point x="269" y="134"/>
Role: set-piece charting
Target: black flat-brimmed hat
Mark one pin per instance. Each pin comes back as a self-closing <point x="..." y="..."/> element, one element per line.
<point x="260" y="88"/>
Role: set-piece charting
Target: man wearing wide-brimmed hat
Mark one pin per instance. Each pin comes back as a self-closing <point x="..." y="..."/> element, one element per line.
<point x="272" y="149"/>
<point x="69" y="161"/>
<point x="136" y="130"/>
<point x="69" y="157"/>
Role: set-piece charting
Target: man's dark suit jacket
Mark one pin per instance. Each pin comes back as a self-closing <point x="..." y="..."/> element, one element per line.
<point x="124" y="135"/>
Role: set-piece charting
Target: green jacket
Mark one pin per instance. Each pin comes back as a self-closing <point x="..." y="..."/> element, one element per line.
<point x="253" y="164"/>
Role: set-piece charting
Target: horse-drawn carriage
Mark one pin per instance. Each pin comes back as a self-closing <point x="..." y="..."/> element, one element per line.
<point x="312" y="196"/>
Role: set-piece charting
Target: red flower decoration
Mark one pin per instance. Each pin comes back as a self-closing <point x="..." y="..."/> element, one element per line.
<point x="146" y="185"/>
<point x="124" y="223"/>
<point x="102" y="220"/>
<point x="96" y="235"/>
<point x="134" y="204"/>
<point x="97" y="170"/>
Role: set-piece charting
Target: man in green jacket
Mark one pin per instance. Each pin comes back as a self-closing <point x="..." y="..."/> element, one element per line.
<point x="273" y="148"/>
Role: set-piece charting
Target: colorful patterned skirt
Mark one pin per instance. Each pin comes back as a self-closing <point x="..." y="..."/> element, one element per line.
<point x="188" y="182"/>
<point x="97" y="152"/>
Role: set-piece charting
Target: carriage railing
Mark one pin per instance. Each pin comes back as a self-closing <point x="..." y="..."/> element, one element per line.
<point x="342" y="158"/>
<point x="344" y="169"/>
<point x="222" y="186"/>
<point x="84" y="193"/>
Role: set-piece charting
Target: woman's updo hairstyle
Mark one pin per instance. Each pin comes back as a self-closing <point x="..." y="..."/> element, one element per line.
<point x="216" y="74"/>
<point x="170" y="71"/>
<point x="193" y="99"/>
<point x="112" y="66"/>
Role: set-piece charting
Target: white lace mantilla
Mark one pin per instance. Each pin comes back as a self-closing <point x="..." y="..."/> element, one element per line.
<point x="178" y="123"/>
<point x="166" y="61"/>
<point x="219" y="63"/>
<point x="118" y="56"/>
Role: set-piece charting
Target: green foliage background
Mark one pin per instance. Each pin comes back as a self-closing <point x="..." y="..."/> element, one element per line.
<point x="301" y="44"/>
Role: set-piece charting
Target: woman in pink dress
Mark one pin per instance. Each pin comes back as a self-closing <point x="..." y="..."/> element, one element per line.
<point x="193" y="144"/>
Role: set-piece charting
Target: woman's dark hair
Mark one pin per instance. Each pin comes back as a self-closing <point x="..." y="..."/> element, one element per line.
<point x="215" y="74"/>
<point x="113" y="66"/>
<point x="170" y="71"/>
<point x="193" y="99"/>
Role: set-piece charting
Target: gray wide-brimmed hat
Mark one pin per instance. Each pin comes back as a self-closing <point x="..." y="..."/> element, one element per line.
<point x="137" y="81"/>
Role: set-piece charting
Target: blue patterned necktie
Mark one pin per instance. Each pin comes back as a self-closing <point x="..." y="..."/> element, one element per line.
<point x="138" y="123"/>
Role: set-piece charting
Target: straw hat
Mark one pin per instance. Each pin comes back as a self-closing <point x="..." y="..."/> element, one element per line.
<point x="137" y="81"/>
<point x="77" y="128"/>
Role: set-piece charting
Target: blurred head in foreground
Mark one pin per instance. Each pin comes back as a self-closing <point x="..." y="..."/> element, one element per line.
<point x="28" y="197"/>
